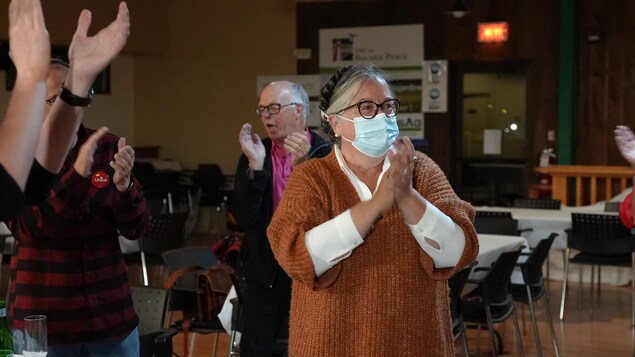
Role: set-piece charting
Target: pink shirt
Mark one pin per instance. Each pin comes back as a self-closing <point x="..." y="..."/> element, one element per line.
<point x="282" y="168"/>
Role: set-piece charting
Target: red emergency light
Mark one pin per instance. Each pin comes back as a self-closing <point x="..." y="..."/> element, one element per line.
<point x="493" y="32"/>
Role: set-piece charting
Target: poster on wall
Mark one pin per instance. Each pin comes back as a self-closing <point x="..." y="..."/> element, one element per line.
<point x="411" y="125"/>
<point x="434" y="94"/>
<point x="397" y="47"/>
<point x="311" y="83"/>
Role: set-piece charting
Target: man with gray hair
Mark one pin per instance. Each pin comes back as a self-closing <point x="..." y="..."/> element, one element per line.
<point x="261" y="176"/>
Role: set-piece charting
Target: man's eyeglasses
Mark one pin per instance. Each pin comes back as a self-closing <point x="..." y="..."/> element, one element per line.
<point x="273" y="108"/>
<point x="369" y="109"/>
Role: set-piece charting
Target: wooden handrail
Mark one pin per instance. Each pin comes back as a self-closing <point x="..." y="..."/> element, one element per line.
<point x="588" y="180"/>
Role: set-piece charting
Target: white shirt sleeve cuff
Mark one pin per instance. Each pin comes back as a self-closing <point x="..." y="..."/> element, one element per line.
<point x="332" y="241"/>
<point x="439" y="227"/>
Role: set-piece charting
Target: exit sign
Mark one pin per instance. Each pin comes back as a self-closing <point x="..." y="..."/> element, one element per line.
<point x="492" y="31"/>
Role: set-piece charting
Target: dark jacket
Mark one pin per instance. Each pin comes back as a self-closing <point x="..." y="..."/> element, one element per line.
<point x="252" y="206"/>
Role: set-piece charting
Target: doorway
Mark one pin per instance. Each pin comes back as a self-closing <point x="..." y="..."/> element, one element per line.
<point x="492" y="129"/>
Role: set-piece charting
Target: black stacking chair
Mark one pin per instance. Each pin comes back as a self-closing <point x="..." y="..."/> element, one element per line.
<point x="610" y="206"/>
<point x="534" y="289"/>
<point x="183" y="294"/>
<point x="498" y="224"/>
<point x="150" y="304"/>
<point x="601" y="240"/>
<point x="537" y="203"/>
<point x="167" y="231"/>
<point x="496" y="214"/>
<point x="456" y="284"/>
<point x="491" y="302"/>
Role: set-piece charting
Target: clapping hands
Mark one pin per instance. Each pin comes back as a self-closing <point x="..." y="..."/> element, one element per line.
<point x="625" y="140"/>
<point x="252" y="147"/>
<point x="30" y="47"/>
<point x="90" y="55"/>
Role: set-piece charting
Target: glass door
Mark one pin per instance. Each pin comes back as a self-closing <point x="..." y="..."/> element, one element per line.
<point x="493" y="133"/>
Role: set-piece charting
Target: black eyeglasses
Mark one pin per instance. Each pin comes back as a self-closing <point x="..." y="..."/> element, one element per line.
<point x="273" y="108"/>
<point x="369" y="109"/>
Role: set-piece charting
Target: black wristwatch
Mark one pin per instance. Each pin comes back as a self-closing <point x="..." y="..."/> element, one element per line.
<point x="74" y="100"/>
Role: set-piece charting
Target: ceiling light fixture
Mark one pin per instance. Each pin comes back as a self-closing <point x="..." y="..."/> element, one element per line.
<point x="458" y="10"/>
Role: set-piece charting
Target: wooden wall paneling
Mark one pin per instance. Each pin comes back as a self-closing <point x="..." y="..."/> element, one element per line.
<point x="616" y="61"/>
<point x="592" y="84"/>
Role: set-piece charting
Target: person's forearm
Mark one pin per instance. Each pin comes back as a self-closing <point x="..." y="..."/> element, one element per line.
<point x="61" y="126"/>
<point x="412" y="207"/>
<point x="20" y="129"/>
<point x="364" y="215"/>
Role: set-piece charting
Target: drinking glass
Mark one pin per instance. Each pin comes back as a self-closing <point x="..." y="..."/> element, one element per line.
<point x="35" y="336"/>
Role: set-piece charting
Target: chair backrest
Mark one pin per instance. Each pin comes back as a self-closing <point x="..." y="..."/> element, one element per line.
<point x="532" y="268"/>
<point x="610" y="206"/>
<point x="496" y="225"/>
<point x="187" y="256"/>
<point x="538" y="203"/>
<point x="150" y="303"/>
<point x="496" y="214"/>
<point x="495" y="285"/>
<point x="167" y="231"/>
<point x="211" y="180"/>
<point x="456" y="284"/>
<point x="599" y="234"/>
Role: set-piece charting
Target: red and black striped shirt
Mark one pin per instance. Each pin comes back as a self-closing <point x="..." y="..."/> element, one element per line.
<point x="68" y="264"/>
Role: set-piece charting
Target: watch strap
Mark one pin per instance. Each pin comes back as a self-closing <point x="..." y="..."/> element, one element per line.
<point x="75" y="100"/>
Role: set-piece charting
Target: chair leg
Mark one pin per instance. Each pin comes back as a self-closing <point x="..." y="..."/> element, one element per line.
<point x="599" y="281"/>
<point x="490" y="327"/>
<point x="215" y="344"/>
<point x="550" y="321"/>
<point x="534" y="321"/>
<point x="466" y="350"/>
<point x="580" y="285"/>
<point x="517" y="330"/>
<point x="564" y="285"/>
<point x="232" y="341"/>
<point x="547" y="267"/>
<point x="144" y="268"/>
<point x="592" y="284"/>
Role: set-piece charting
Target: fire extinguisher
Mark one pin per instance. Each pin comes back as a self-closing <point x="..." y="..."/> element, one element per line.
<point x="547" y="156"/>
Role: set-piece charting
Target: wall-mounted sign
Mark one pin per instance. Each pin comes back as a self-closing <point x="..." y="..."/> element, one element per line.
<point x="388" y="47"/>
<point x="493" y="31"/>
<point x="434" y="93"/>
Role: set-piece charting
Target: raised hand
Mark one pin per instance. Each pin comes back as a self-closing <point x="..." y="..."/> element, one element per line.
<point x="401" y="154"/>
<point x="90" y="55"/>
<point x="298" y="145"/>
<point x="123" y="162"/>
<point x="625" y="140"/>
<point x="252" y="147"/>
<point x="29" y="44"/>
<point x="85" y="157"/>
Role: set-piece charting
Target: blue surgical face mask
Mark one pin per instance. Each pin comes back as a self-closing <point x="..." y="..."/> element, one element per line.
<point x="373" y="137"/>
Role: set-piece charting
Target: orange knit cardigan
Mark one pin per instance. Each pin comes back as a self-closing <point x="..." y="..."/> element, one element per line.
<point x="387" y="298"/>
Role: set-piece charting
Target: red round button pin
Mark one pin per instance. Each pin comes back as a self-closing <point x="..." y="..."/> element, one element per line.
<point x="100" y="179"/>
